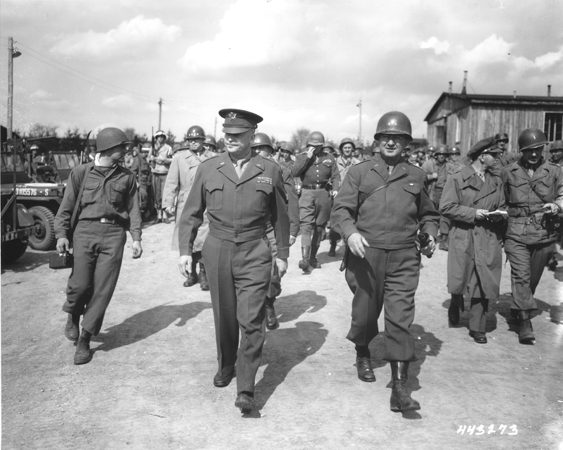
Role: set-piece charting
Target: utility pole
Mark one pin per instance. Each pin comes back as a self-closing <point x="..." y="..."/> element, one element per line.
<point x="215" y="129"/>
<point x="11" y="55"/>
<point x="160" y="114"/>
<point x="359" y="105"/>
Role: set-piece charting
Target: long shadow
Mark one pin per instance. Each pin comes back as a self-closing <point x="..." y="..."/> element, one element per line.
<point x="291" y="307"/>
<point x="502" y="306"/>
<point x="146" y="323"/>
<point x="426" y="344"/>
<point x="29" y="261"/>
<point x="492" y="321"/>
<point x="284" y="349"/>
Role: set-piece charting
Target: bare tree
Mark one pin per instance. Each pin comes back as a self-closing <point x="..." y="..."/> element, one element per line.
<point x="299" y="138"/>
<point x="41" y="130"/>
<point x="170" y="137"/>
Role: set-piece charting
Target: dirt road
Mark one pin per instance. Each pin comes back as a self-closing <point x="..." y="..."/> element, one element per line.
<point x="149" y="385"/>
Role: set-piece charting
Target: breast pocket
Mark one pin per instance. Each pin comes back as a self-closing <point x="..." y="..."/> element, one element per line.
<point x="263" y="192"/>
<point x="413" y="188"/>
<point x="117" y="192"/>
<point x="214" y="196"/>
<point x="90" y="192"/>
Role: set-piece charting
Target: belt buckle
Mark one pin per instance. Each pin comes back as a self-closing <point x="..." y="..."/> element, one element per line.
<point x="104" y="220"/>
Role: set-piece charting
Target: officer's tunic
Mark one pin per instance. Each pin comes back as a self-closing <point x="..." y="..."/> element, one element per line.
<point x="315" y="201"/>
<point x="387" y="210"/>
<point x="528" y="242"/>
<point x="109" y="193"/>
<point x="475" y="253"/>
<point x="178" y="184"/>
<point x="236" y="253"/>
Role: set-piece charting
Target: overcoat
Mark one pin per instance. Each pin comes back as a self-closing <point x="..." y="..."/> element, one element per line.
<point x="475" y="245"/>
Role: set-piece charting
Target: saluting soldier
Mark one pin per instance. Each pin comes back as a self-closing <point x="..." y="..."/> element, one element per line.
<point x="473" y="200"/>
<point x="176" y="190"/>
<point x="242" y="192"/>
<point x="262" y="145"/>
<point x="106" y="208"/>
<point x="534" y="196"/>
<point x="316" y="170"/>
<point x="379" y="210"/>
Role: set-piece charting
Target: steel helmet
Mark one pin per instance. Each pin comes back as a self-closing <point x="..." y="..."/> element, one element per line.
<point x="159" y="133"/>
<point x="442" y="150"/>
<point x="287" y="147"/>
<point x="394" y="122"/>
<point x="431" y="149"/>
<point x="316" y="139"/>
<point x="195" y="132"/>
<point x="346" y="141"/>
<point x="262" y="139"/>
<point x="455" y="150"/>
<point x="34" y="147"/>
<point x="210" y="140"/>
<point x="109" y="138"/>
<point x="556" y="145"/>
<point x="531" y="138"/>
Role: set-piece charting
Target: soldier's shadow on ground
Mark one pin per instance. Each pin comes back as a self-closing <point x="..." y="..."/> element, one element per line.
<point x="502" y="307"/>
<point x="426" y="344"/>
<point x="492" y="321"/>
<point x="30" y="260"/>
<point x="284" y="349"/>
<point x="291" y="307"/>
<point x="146" y="323"/>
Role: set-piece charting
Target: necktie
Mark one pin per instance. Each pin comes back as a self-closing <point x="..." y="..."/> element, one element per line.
<point x="239" y="168"/>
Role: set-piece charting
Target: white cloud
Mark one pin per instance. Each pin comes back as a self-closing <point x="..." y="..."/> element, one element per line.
<point x="433" y="43"/>
<point x="40" y="94"/>
<point x="118" y="102"/>
<point x="130" y="37"/>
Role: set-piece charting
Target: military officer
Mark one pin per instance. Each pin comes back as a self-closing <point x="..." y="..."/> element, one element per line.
<point x="262" y="145"/>
<point x="100" y="203"/>
<point x="316" y="170"/>
<point x="242" y="192"/>
<point x="534" y="196"/>
<point x="379" y="210"/>
<point x="178" y="184"/>
<point x="473" y="200"/>
<point x="343" y="162"/>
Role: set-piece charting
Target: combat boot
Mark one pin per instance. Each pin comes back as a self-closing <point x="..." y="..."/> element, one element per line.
<point x="401" y="400"/>
<point x="453" y="309"/>
<point x="203" y="278"/>
<point x="71" y="327"/>
<point x="526" y="332"/>
<point x="83" y="354"/>
<point x="332" y="251"/>
<point x="313" y="258"/>
<point x="304" y="263"/>
<point x="271" y="319"/>
<point x="192" y="276"/>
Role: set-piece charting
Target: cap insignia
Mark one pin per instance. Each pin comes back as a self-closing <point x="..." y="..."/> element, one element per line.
<point x="232" y="116"/>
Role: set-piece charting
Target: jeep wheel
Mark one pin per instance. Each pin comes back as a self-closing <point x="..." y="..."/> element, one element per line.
<point x="12" y="250"/>
<point x="43" y="238"/>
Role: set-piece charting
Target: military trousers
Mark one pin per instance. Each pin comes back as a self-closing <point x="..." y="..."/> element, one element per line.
<point x="98" y="253"/>
<point x="239" y="279"/>
<point x="158" y="182"/>
<point x="527" y="263"/>
<point x="384" y="278"/>
<point x="314" y="212"/>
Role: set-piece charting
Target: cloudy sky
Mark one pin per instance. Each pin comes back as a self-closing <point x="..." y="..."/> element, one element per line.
<point x="298" y="63"/>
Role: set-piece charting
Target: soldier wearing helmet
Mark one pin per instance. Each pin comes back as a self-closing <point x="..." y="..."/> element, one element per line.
<point x="161" y="158"/>
<point x="534" y="196"/>
<point x="343" y="162"/>
<point x="178" y="184"/>
<point x="210" y="144"/>
<point x="379" y="210"/>
<point x="109" y="205"/>
<point x="263" y="146"/>
<point x="506" y="157"/>
<point x="556" y="153"/>
<point x="287" y="152"/>
<point x="320" y="181"/>
<point x="241" y="193"/>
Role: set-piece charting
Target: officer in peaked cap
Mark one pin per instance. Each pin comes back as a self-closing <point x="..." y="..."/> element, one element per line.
<point x="241" y="192"/>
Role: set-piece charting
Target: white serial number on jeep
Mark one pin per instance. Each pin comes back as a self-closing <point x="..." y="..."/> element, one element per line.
<point x="31" y="192"/>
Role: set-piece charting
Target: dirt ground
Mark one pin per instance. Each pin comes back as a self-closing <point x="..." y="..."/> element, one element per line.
<point x="149" y="385"/>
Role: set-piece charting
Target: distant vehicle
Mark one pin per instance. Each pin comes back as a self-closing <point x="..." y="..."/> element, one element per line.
<point x="39" y="187"/>
<point x="17" y="223"/>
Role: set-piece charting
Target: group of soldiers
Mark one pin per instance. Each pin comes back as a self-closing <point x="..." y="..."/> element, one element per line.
<point x="237" y="213"/>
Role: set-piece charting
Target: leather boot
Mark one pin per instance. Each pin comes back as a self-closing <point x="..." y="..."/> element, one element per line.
<point x="453" y="309"/>
<point x="245" y="401"/>
<point x="332" y="251"/>
<point x="271" y="319"/>
<point x="304" y="263"/>
<point x="83" y="354"/>
<point x="203" y="278"/>
<point x="192" y="276"/>
<point x="400" y="398"/>
<point x="71" y="327"/>
<point x="313" y="258"/>
<point x="526" y="332"/>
